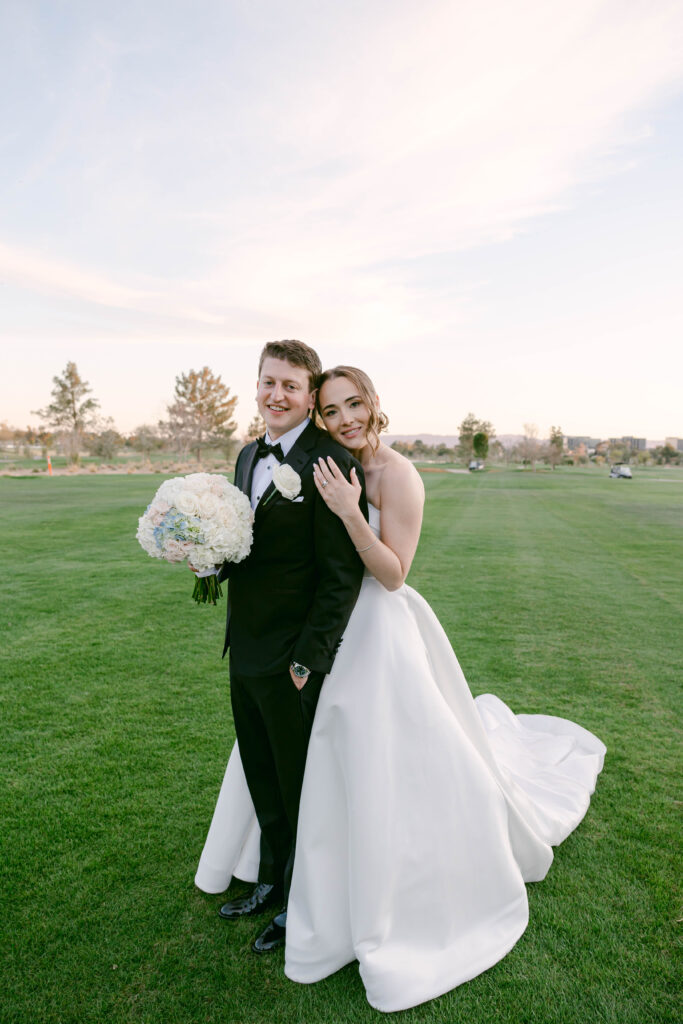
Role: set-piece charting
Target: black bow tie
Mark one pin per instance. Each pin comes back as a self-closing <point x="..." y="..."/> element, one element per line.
<point x="263" y="450"/>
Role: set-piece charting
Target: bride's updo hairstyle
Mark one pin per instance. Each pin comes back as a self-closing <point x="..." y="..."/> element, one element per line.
<point x="378" y="421"/>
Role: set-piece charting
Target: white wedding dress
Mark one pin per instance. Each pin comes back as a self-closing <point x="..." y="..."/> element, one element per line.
<point x="423" y="812"/>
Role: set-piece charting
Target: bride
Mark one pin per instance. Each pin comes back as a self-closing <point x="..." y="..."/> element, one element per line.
<point x="423" y="811"/>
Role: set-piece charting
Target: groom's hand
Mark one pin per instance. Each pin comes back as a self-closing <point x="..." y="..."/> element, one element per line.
<point x="298" y="682"/>
<point x="299" y="674"/>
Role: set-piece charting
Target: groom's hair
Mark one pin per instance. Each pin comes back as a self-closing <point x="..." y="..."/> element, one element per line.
<point x="296" y="353"/>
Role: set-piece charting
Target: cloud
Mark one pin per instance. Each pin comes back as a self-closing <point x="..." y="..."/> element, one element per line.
<point x="298" y="166"/>
<point x="31" y="270"/>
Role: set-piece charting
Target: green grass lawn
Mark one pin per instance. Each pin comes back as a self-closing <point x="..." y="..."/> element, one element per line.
<point x="562" y="593"/>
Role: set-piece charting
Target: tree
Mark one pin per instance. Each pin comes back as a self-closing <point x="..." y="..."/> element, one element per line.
<point x="146" y="438"/>
<point x="35" y="435"/>
<point x="618" y="452"/>
<point x="256" y="428"/>
<point x="666" y="454"/>
<point x="529" y="446"/>
<point x="467" y="429"/>
<point x="70" y="413"/>
<point x="555" y="449"/>
<point x="403" y="448"/>
<point x="106" y="443"/>
<point x="480" y="444"/>
<point x="498" y="452"/>
<point x="201" y="415"/>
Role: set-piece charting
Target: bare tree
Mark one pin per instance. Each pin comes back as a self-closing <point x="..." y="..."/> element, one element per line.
<point x="201" y="415"/>
<point x="70" y="413"/>
<point x="36" y="435"/>
<point x="105" y="443"/>
<point x="146" y="438"/>
<point x="499" y="453"/>
<point x="529" y="446"/>
<point x="256" y="428"/>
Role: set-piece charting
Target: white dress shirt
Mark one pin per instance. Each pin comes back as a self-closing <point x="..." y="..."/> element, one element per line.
<point x="263" y="470"/>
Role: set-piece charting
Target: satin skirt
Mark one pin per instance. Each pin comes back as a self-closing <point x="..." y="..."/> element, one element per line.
<point x="423" y="813"/>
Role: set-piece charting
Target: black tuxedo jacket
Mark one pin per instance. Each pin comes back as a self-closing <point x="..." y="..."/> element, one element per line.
<point x="292" y="597"/>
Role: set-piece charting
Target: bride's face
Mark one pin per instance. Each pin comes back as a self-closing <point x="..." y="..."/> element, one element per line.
<point x="344" y="413"/>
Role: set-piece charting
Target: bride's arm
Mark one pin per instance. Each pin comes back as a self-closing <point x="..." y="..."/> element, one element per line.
<point x="402" y="499"/>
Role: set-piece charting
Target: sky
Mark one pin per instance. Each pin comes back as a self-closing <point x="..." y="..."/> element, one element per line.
<point x="479" y="203"/>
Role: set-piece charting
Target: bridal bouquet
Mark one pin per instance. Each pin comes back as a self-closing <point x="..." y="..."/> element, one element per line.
<point x="201" y="518"/>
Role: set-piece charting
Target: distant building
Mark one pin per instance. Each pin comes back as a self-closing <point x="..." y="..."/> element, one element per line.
<point x="638" y="444"/>
<point x="577" y="442"/>
<point x="675" y="442"/>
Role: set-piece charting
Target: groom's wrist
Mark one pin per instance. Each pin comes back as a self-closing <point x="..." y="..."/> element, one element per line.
<point x="300" y="671"/>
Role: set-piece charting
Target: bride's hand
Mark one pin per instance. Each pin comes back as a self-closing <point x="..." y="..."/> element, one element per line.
<point x="339" y="494"/>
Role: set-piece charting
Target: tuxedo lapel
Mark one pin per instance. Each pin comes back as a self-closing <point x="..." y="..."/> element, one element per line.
<point x="247" y="469"/>
<point x="298" y="458"/>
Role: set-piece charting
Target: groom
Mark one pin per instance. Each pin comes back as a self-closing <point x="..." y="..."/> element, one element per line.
<point x="288" y="604"/>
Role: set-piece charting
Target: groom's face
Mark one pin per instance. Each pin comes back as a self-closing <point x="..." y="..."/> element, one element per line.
<point x="283" y="395"/>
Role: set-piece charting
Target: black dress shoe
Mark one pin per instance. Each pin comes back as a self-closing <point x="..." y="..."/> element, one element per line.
<point x="261" y="898"/>
<point x="272" y="936"/>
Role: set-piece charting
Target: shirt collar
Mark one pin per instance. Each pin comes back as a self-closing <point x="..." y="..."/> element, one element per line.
<point x="288" y="440"/>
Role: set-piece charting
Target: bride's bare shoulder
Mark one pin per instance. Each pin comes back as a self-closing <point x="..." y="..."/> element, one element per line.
<point x="399" y="474"/>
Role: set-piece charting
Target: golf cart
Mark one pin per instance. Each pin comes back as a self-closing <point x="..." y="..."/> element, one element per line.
<point x="620" y="472"/>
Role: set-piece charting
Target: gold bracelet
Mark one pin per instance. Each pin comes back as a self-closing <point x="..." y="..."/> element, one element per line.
<point x="361" y="550"/>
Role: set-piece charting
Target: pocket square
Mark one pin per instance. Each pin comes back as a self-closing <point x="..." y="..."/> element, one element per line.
<point x="295" y="500"/>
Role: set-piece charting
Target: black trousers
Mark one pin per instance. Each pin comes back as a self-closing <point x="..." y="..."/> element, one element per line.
<point x="273" y="724"/>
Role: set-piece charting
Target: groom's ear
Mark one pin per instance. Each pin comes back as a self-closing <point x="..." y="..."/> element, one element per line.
<point x="311" y="399"/>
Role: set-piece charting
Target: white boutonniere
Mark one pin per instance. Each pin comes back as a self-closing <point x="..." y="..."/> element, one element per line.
<point x="287" y="481"/>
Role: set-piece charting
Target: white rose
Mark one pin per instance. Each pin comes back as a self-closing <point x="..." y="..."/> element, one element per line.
<point x="188" y="503"/>
<point x="209" y="505"/>
<point x="198" y="482"/>
<point x="287" y="481"/>
<point x="170" y="489"/>
<point x="218" y="485"/>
